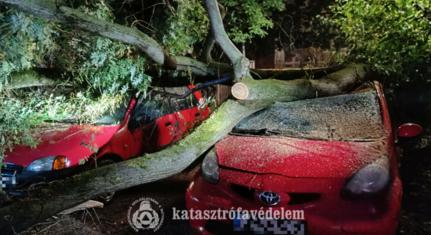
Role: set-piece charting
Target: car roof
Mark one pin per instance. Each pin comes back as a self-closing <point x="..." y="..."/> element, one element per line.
<point x="351" y="117"/>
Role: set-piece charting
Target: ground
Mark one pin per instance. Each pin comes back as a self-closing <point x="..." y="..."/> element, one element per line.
<point x="416" y="175"/>
<point x="112" y="219"/>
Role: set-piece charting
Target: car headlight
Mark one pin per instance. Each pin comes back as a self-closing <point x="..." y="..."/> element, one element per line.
<point x="370" y="180"/>
<point x="210" y="168"/>
<point x="48" y="164"/>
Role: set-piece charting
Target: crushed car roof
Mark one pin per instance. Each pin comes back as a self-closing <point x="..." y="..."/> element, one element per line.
<point x="350" y="117"/>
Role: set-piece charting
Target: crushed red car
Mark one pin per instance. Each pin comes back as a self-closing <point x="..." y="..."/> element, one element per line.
<point x="149" y="123"/>
<point x="332" y="158"/>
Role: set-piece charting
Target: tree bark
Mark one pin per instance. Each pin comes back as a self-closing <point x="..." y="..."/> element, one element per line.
<point x="53" y="11"/>
<point x="279" y="90"/>
<point x="210" y="41"/>
<point x="67" y="193"/>
<point x="241" y="65"/>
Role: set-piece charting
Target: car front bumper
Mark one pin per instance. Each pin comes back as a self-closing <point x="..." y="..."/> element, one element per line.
<point x="323" y="216"/>
<point x="15" y="179"/>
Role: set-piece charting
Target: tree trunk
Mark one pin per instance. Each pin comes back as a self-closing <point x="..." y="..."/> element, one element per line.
<point x="67" y="193"/>
<point x="279" y="90"/>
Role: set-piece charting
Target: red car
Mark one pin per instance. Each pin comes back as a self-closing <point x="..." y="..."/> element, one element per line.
<point x="333" y="159"/>
<point x="147" y="124"/>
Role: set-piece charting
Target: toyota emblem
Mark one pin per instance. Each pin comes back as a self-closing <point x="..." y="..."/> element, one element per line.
<point x="269" y="198"/>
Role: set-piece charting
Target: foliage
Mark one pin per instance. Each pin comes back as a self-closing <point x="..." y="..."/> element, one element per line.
<point x="101" y="72"/>
<point x="105" y="66"/>
<point x="247" y="19"/>
<point x="188" y="24"/>
<point x="109" y="69"/>
<point x="25" y="42"/>
<point x="15" y="123"/>
<point x="19" y="118"/>
<point x="392" y="36"/>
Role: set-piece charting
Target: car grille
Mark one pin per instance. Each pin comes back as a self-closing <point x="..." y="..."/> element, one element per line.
<point x="295" y="198"/>
<point x="8" y="174"/>
<point x="302" y="198"/>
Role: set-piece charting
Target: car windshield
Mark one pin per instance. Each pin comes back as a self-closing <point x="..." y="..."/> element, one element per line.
<point x="109" y="117"/>
<point x="351" y="117"/>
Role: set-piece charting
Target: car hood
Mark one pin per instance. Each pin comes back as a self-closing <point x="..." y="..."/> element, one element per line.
<point x="293" y="157"/>
<point x="76" y="142"/>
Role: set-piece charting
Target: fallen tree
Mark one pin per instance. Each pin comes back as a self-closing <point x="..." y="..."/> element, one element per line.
<point x="61" y="195"/>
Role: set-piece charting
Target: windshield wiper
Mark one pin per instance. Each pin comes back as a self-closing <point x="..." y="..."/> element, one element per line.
<point x="263" y="131"/>
<point x="249" y="131"/>
<point x="273" y="132"/>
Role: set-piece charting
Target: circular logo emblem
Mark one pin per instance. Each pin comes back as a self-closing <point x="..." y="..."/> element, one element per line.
<point x="269" y="198"/>
<point x="145" y="214"/>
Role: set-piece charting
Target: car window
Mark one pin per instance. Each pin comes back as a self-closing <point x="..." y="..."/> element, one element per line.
<point x="159" y="102"/>
<point x="346" y="117"/>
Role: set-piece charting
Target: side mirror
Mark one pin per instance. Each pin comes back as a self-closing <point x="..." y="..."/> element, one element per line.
<point x="409" y="130"/>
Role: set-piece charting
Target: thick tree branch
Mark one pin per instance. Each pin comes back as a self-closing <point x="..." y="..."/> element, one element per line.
<point x="240" y="63"/>
<point x="272" y="89"/>
<point x="48" y="9"/>
<point x="210" y="41"/>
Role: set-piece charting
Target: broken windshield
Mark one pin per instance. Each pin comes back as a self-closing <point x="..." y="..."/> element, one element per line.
<point x="354" y="117"/>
